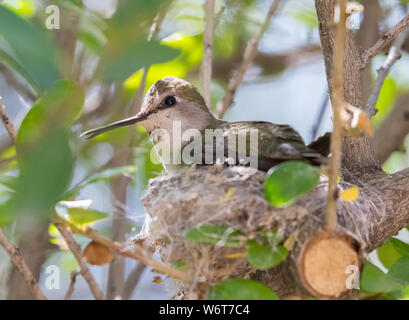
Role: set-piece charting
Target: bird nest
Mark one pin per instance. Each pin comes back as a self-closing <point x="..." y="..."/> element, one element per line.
<point x="232" y="197"/>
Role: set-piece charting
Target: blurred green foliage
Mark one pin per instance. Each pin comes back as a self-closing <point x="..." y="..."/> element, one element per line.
<point x="29" y="50"/>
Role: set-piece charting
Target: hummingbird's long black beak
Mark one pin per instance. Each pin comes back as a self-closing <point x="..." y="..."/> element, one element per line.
<point x="125" y="122"/>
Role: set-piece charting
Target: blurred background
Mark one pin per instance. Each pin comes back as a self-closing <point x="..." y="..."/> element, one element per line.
<point x="108" y="55"/>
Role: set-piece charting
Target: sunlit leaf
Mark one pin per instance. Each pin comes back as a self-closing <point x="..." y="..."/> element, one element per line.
<point x="84" y="216"/>
<point x="385" y="102"/>
<point x="288" y="181"/>
<point x="122" y="65"/>
<point x="24" y="8"/>
<point x="307" y="17"/>
<point x="350" y="194"/>
<point x="241" y="289"/>
<point x="191" y="48"/>
<point x="127" y="51"/>
<point x="391" y="251"/>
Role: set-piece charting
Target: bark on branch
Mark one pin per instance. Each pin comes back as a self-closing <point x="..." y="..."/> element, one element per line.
<point x="383" y="42"/>
<point x="22" y="267"/>
<point x="391" y="134"/>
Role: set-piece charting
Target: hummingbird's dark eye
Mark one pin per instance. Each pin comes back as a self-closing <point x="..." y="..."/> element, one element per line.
<point x="170" y="101"/>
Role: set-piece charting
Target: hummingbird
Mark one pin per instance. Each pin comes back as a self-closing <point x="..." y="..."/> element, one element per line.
<point x="173" y="101"/>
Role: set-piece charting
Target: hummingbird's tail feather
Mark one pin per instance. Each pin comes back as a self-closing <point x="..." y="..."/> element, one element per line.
<point x="315" y="159"/>
<point x="322" y="144"/>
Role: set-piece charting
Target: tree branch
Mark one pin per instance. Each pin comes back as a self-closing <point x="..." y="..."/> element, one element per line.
<point x="391" y="134"/>
<point x="338" y="105"/>
<point x="383" y="42"/>
<point x="206" y="74"/>
<point x="132" y="281"/>
<point x="14" y="82"/>
<point x="76" y="251"/>
<point x="137" y="253"/>
<point x="393" y="56"/>
<point x="70" y="290"/>
<point x="358" y="154"/>
<point x="7" y="122"/>
<point x="21" y="265"/>
<point x="249" y="55"/>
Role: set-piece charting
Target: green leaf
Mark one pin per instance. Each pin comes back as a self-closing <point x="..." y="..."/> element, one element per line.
<point x="24" y="8"/>
<point x="241" y="289"/>
<point x="84" y="216"/>
<point x="45" y="173"/>
<point x="121" y="65"/>
<point x="373" y="280"/>
<point x="128" y="51"/>
<point x="392" y="251"/>
<point x="58" y="107"/>
<point x="385" y="101"/>
<point x="31" y="48"/>
<point x="220" y="235"/>
<point x="288" y="181"/>
<point x="399" y="272"/>
<point x="264" y="257"/>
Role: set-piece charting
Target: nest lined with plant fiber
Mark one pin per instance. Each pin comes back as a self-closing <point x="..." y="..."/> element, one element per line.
<point x="234" y="197"/>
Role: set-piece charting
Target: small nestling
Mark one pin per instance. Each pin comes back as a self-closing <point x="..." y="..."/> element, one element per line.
<point x="172" y="100"/>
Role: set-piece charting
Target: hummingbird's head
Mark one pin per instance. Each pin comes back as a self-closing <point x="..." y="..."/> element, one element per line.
<point x="169" y="99"/>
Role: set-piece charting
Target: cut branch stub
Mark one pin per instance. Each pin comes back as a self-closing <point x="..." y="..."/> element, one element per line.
<point x="325" y="262"/>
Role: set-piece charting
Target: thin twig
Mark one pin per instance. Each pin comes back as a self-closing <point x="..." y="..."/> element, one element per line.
<point x="76" y="251"/>
<point x="338" y="103"/>
<point x="7" y="122"/>
<point x="384" y="41"/>
<point x="13" y="81"/>
<point x="393" y="56"/>
<point x="206" y="74"/>
<point x="137" y="253"/>
<point x="70" y="290"/>
<point x="21" y="265"/>
<point x="248" y="57"/>
<point x="132" y="281"/>
<point x="320" y="115"/>
<point x="153" y="33"/>
<point x="218" y="17"/>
